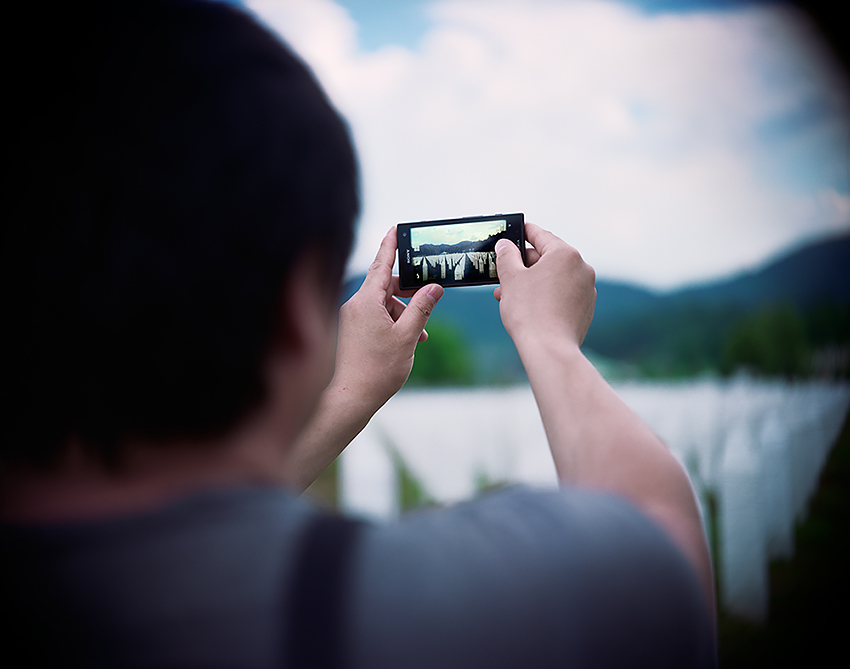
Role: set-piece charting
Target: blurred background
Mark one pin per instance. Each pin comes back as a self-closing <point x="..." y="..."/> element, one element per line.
<point x="697" y="154"/>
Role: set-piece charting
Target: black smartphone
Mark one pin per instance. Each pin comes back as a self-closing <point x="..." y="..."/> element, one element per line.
<point x="455" y="251"/>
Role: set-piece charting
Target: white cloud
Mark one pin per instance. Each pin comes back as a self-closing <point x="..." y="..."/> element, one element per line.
<point x="638" y="138"/>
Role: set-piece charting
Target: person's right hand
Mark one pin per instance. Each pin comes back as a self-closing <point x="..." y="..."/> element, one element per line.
<point x="553" y="297"/>
<point x="378" y="333"/>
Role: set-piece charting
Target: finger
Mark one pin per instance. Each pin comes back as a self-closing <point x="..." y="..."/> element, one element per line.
<point x="531" y="256"/>
<point x="540" y="239"/>
<point x="497" y="293"/>
<point x="415" y="315"/>
<point x="423" y="336"/>
<point x="508" y="259"/>
<point x="381" y="269"/>
<point x="398" y="292"/>
<point x="396" y="308"/>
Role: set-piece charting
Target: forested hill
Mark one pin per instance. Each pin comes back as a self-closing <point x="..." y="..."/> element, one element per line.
<point x="799" y="301"/>
<point x="818" y="272"/>
<point x="804" y="296"/>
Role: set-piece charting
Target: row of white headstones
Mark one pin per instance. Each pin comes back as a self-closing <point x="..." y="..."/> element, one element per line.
<point x="756" y="447"/>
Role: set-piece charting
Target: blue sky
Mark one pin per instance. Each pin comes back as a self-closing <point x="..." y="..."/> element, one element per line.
<point x="670" y="142"/>
<point x="405" y="22"/>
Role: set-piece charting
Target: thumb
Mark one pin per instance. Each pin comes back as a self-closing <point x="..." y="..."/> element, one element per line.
<point x="414" y="317"/>
<point x="508" y="259"/>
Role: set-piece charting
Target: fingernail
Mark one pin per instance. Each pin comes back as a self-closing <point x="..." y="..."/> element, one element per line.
<point x="501" y="244"/>
<point x="435" y="292"/>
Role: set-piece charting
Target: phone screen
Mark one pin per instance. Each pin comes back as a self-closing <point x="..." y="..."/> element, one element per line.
<point x="455" y="251"/>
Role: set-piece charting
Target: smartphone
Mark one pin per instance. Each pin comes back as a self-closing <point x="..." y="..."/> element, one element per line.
<point x="455" y="251"/>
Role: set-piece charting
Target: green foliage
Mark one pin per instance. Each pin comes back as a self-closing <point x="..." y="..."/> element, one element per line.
<point x="808" y="592"/>
<point x="782" y="340"/>
<point x="411" y="493"/>
<point x="776" y="340"/>
<point x="772" y="342"/>
<point x="828" y="323"/>
<point x="324" y="491"/>
<point x="483" y="483"/>
<point x="667" y="341"/>
<point x="679" y="341"/>
<point x="445" y="359"/>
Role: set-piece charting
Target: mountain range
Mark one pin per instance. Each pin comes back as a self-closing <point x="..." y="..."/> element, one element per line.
<point x="633" y="324"/>
<point x="488" y="244"/>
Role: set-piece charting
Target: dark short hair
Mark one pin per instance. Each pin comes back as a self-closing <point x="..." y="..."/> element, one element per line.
<point x="173" y="160"/>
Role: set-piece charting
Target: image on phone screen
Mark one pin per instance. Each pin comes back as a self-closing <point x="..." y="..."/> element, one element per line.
<point x="455" y="252"/>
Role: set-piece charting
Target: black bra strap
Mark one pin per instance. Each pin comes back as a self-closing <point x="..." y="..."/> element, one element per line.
<point x="319" y="595"/>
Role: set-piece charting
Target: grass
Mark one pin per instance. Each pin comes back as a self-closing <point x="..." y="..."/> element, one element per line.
<point x="324" y="491"/>
<point x="810" y="593"/>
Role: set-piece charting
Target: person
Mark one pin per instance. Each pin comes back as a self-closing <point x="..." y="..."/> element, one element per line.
<point x="174" y="378"/>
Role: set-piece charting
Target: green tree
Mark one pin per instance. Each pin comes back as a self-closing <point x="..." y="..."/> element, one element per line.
<point x="444" y="359"/>
<point x="771" y="342"/>
<point x="828" y="323"/>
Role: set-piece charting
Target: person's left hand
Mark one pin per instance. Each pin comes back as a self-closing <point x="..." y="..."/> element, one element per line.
<point x="378" y="333"/>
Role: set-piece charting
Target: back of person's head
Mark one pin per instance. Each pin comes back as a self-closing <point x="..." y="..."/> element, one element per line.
<point x="173" y="161"/>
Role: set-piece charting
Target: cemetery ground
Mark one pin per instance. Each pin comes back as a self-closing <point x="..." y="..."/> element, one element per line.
<point x="809" y="608"/>
<point x="809" y="604"/>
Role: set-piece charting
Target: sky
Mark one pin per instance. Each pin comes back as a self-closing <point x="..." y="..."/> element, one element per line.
<point x="453" y="234"/>
<point x="670" y="142"/>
